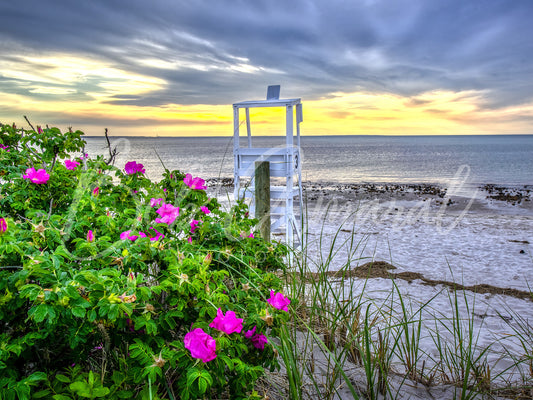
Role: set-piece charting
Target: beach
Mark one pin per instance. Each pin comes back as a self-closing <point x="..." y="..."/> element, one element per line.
<point x="427" y="229"/>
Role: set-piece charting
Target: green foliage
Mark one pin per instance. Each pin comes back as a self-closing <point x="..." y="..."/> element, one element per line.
<point x="106" y="318"/>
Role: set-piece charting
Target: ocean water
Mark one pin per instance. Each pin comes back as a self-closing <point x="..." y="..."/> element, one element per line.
<point x="501" y="159"/>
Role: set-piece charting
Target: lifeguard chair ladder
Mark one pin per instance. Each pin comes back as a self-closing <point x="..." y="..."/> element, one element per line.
<point x="285" y="162"/>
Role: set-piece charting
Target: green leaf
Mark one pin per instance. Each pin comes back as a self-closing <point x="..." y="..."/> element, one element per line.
<point x="151" y="327"/>
<point x="113" y="312"/>
<point x="100" y="391"/>
<point x="153" y="372"/>
<point x="92" y="315"/>
<point x="126" y="308"/>
<point x="51" y="314"/>
<point x="23" y="391"/>
<point x="82" y="389"/>
<point x="62" y="378"/>
<point x="71" y="291"/>
<point x="78" y="312"/>
<point x="104" y="309"/>
<point x="202" y="385"/>
<point x="40" y="394"/>
<point x="207" y="376"/>
<point x="35" y="378"/>
<point x="79" y="386"/>
<point x="192" y="375"/>
<point x="61" y="397"/>
<point x="124" y="394"/>
<point x="31" y="291"/>
<point x="227" y="361"/>
<point x="62" y="251"/>
<point x="185" y="393"/>
<point x="39" y="313"/>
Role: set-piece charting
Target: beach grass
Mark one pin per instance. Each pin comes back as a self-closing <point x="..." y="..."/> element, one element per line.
<point x="343" y="342"/>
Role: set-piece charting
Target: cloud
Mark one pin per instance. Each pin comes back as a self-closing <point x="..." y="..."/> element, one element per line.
<point x="164" y="52"/>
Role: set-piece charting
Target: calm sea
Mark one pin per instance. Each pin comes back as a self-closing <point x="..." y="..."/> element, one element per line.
<point x="503" y="159"/>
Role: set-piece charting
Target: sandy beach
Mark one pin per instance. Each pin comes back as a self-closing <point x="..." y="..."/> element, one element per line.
<point x="482" y="239"/>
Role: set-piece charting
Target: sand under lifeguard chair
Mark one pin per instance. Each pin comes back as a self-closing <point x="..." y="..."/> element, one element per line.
<point x="285" y="165"/>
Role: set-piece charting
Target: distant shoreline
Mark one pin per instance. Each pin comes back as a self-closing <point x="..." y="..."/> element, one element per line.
<point x="404" y="204"/>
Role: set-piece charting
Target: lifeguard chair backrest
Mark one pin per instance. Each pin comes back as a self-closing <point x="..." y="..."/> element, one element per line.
<point x="273" y="92"/>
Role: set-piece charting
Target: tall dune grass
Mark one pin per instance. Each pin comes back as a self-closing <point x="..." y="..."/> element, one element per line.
<point x="343" y="343"/>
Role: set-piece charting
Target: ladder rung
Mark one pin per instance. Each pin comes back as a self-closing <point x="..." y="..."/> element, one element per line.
<point x="276" y="192"/>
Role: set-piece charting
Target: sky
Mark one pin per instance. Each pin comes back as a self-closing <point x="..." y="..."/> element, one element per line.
<point x="174" y="68"/>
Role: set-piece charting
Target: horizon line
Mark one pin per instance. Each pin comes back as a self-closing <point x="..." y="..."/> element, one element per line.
<point x="314" y="135"/>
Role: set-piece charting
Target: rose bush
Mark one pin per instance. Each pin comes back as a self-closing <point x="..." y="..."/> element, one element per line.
<point x="113" y="286"/>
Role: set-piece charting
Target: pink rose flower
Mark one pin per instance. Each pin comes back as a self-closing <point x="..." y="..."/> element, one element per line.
<point x="258" y="340"/>
<point x="96" y="191"/>
<point x="127" y="235"/>
<point x="154" y="236"/>
<point x="40" y="176"/>
<point x="205" y="210"/>
<point x="201" y="345"/>
<point x="90" y="236"/>
<point x="158" y="235"/>
<point x="155" y="202"/>
<point x="132" y="168"/>
<point x="228" y="323"/>
<point x="250" y="333"/>
<point x="168" y="214"/>
<point x="71" y="165"/>
<point x="3" y="226"/>
<point x="194" y="183"/>
<point x="194" y="225"/>
<point x="278" y="301"/>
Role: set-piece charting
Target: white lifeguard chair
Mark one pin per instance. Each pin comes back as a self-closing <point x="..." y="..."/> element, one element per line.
<point x="285" y="162"/>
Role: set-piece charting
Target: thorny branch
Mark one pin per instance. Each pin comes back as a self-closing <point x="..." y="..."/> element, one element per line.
<point x="29" y="123"/>
<point x="112" y="153"/>
<point x="29" y="148"/>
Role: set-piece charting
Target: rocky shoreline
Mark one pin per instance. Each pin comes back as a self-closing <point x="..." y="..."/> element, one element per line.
<point x="485" y="195"/>
<point x="511" y="195"/>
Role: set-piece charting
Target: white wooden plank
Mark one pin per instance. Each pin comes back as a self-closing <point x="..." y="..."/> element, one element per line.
<point x="276" y="192"/>
<point x="267" y="103"/>
<point x="250" y="171"/>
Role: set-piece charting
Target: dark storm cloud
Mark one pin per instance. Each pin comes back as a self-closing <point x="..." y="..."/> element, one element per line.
<point x="218" y="52"/>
